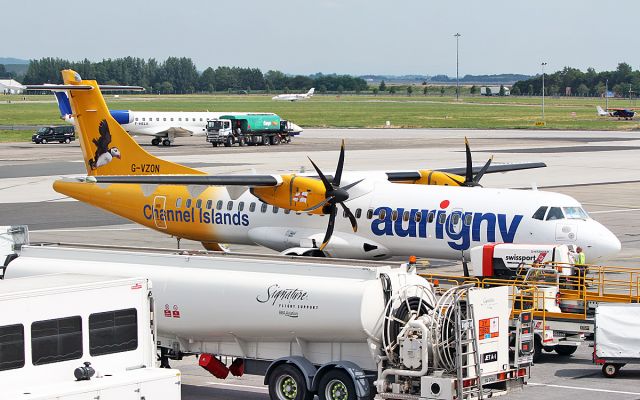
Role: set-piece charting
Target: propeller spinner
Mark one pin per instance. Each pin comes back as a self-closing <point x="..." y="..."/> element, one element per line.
<point x="334" y="195"/>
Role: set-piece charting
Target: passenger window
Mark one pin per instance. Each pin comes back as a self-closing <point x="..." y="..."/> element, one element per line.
<point x="539" y="214"/>
<point x="442" y="218"/>
<point x="219" y="205"/>
<point x="164" y="119"/>
<point x="275" y="209"/>
<point x="199" y="203"/>
<point x="113" y="332"/>
<point x="187" y="204"/>
<point x="180" y="119"/>
<point x="264" y="207"/>
<point x="467" y="219"/>
<point x="171" y="119"/>
<point x="209" y="204"/>
<point x="554" y="214"/>
<point x="358" y="213"/>
<point x="56" y="340"/>
<point x="179" y="202"/>
<point x="455" y="218"/>
<point x="394" y="215"/>
<point x="431" y="216"/>
<point x="405" y="216"/>
<point x="11" y="347"/>
<point x="136" y="119"/>
<point x="157" y="119"/>
<point x="418" y="216"/>
<point x="143" y="118"/>
<point x="370" y="213"/>
<point x="230" y="205"/>
<point x="383" y="213"/>
<point x="200" y="119"/>
<point x="241" y="206"/>
<point x="252" y="207"/>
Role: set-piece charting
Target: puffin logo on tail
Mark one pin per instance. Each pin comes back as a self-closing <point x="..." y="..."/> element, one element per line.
<point x="104" y="154"/>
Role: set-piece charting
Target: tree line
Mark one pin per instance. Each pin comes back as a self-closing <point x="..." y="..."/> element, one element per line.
<point x="179" y="75"/>
<point x="623" y="82"/>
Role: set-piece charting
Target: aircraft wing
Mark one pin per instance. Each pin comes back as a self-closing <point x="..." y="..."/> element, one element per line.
<point x="402" y="176"/>
<point x="206" y="180"/>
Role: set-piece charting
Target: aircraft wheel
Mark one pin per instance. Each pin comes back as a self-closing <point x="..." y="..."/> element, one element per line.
<point x="155" y="141"/>
<point x="166" y="142"/>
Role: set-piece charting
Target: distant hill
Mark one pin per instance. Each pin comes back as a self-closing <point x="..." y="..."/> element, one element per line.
<point x="11" y="60"/>
<point x="506" y="79"/>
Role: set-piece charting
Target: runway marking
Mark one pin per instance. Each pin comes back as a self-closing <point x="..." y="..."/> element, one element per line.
<point x="260" y="388"/>
<point x="583" y="388"/>
<point x="614" y="211"/>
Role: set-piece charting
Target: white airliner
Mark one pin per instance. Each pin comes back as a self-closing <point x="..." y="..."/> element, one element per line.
<point x="294" y="97"/>
<point x="369" y="215"/>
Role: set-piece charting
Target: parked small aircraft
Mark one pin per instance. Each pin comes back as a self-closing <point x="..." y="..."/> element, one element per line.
<point x="294" y="97"/>
<point x="626" y="113"/>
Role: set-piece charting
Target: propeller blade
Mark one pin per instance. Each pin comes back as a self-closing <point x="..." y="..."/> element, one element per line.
<point x="322" y="203"/>
<point x="349" y="186"/>
<point x="338" y="176"/>
<point x="332" y="221"/>
<point x="484" y="169"/>
<point x="352" y="218"/>
<point x="469" y="174"/>
<point x="325" y="181"/>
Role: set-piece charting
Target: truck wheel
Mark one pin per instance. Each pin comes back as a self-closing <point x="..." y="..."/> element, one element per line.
<point x="610" y="370"/>
<point x="43" y="141"/>
<point x="228" y="142"/>
<point x="67" y="140"/>
<point x="565" y="350"/>
<point x="266" y="141"/>
<point x="287" y="383"/>
<point x="242" y="142"/>
<point x="214" y="144"/>
<point x="275" y="140"/>
<point x="336" y="385"/>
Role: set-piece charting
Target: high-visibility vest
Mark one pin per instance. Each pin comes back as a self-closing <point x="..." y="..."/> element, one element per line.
<point x="582" y="259"/>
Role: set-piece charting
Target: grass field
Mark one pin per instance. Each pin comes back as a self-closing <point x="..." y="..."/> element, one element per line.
<point x="357" y="111"/>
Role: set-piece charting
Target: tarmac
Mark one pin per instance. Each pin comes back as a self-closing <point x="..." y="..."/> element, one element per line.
<point x="599" y="169"/>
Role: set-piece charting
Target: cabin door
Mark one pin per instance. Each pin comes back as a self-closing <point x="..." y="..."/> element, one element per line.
<point x="160" y="212"/>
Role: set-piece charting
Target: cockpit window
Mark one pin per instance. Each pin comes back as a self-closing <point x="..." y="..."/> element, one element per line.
<point x="575" y="213"/>
<point x="554" y="213"/>
<point x="539" y="214"/>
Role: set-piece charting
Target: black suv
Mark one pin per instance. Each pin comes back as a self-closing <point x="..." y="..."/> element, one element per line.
<point x="49" y="134"/>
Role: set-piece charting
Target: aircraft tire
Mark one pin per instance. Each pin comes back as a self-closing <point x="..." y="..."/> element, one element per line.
<point x="155" y="141"/>
<point x="166" y="142"/>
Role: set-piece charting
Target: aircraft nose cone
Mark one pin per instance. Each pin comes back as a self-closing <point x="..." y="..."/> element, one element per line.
<point x="604" y="244"/>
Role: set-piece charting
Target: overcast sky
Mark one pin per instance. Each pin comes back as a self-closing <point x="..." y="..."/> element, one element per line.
<point x="349" y="36"/>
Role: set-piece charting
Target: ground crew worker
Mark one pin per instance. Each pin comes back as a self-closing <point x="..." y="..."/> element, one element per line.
<point x="580" y="261"/>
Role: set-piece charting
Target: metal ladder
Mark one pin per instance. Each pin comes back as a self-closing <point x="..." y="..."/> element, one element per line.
<point x="466" y="345"/>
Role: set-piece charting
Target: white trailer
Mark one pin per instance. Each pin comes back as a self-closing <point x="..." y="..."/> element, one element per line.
<point x="336" y="328"/>
<point x="99" y="329"/>
<point x="616" y="338"/>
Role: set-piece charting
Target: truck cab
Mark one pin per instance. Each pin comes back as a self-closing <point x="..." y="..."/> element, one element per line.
<point x="219" y="131"/>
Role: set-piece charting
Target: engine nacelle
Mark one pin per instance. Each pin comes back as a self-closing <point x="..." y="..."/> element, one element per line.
<point x="295" y="193"/>
<point x="429" y="177"/>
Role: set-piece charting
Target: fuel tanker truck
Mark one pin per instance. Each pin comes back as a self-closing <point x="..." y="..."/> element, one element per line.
<point x="338" y="329"/>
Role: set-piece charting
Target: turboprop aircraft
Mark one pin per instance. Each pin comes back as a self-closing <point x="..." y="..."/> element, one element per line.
<point x="396" y="213"/>
<point x="294" y="97"/>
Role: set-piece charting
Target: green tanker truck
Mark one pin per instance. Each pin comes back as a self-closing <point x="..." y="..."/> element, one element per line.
<point x="250" y="129"/>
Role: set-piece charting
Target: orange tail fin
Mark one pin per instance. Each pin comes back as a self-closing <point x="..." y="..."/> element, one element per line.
<point x="107" y="148"/>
